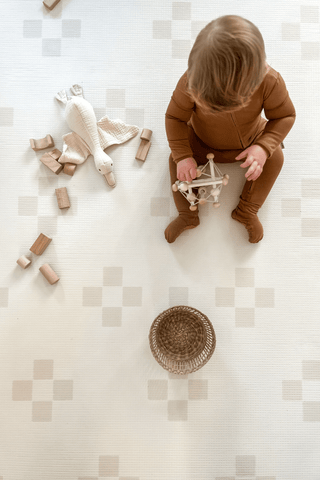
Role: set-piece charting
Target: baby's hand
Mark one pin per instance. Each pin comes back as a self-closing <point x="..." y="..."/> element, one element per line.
<point x="187" y="169"/>
<point x="256" y="158"/>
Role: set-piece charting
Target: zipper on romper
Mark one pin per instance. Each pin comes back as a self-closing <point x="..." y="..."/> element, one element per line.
<point x="237" y="128"/>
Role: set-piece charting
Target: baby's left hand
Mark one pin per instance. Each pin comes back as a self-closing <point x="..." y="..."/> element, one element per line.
<point x="256" y="158"/>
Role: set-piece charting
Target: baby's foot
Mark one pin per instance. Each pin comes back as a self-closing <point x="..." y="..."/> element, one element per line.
<point x="252" y="224"/>
<point x="179" y="225"/>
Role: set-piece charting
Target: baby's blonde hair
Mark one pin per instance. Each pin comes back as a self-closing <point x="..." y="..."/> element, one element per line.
<point x="226" y="64"/>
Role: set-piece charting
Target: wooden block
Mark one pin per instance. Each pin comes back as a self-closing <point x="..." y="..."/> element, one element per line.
<point x="69" y="169"/>
<point x="49" y="159"/>
<point x="42" y="143"/>
<point x="40" y="244"/>
<point x="49" y="273"/>
<point x="146" y="134"/>
<point x="143" y="150"/>
<point x="24" y="261"/>
<point x="50" y="4"/>
<point x="62" y="197"/>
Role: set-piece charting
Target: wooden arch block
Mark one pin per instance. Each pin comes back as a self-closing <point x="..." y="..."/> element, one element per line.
<point x="42" y="143"/>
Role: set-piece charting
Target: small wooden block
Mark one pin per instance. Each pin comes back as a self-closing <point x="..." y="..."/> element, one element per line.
<point x="49" y="274"/>
<point x="49" y="159"/>
<point x="24" y="261"/>
<point x="146" y="134"/>
<point x="62" y="197"/>
<point x="69" y="169"/>
<point x="40" y="244"/>
<point x="41" y="144"/>
<point x="50" y="3"/>
<point x="143" y="150"/>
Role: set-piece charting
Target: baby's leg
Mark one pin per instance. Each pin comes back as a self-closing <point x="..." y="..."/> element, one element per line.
<point x="254" y="195"/>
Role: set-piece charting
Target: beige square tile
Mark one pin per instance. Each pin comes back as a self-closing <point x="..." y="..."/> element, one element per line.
<point x="291" y="207"/>
<point x="4" y="297"/>
<point x="291" y="390"/>
<point x="181" y="10"/>
<point x="178" y="410"/>
<point x="43" y="369"/>
<point x="311" y="411"/>
<point x="92" y="297"/>
<point x="225" y="297"/>
<point x="244" y="317"/>
<point x="198" y="389"/>
<point x="178" y="296"/>
<point x="311" y="370"/>
<point x="71" y="28"/>
<point x="309" y="13"/>
<point x="111" y="316"/>
<point x="112" y="276"/>
<point x="310" y="187"/>
<point x="51" y="47"/>
<point x="22" y="390"/>
<point x="310" y="50"/>
<point x="265" y="297"/>
<point x="290" y="31"/>
<point x="245" y="464"/>
<point x="158" y="389"/>
<point x="310" y="227"/>
<point x="116" y="98"/>
<point x="132" y="297"/>
<point x="244" y="277"/>
<point x="28" y="206"/>
<point x="41" y="411"/>
<point x="62" y="389"/>
<point x="108" y="466"/>
<point x="6" y="117"/>
<point x="181" y="49"/>
<point x="162" y="29"/>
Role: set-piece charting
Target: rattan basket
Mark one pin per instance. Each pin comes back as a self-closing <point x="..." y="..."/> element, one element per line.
<point x="182" y="339"/>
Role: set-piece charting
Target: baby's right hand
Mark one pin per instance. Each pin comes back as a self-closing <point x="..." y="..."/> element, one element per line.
<point x="187" y="169"/>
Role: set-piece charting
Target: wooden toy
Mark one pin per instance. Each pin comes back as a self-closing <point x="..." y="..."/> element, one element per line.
<point x="24" y="261"/>
<point x="62" y="197"/>
<point x="69" y="169"/>
<point x="46" y="142"/>
<point x="144" y="144"/>
<point x="40" y="244"/>
<point x="50" y="160"/>
<point x="49" y="273"/>
<point x="206" y="188"/>
<point x="50" y="4"/>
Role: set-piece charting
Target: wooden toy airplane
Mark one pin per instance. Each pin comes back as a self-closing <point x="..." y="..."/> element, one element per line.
<point x="208" y="185"/>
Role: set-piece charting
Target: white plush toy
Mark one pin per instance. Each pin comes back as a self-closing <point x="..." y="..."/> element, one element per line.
<point x="89" y="136"/>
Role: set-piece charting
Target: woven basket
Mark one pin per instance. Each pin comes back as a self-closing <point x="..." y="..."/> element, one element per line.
<point x="182" y="339"/>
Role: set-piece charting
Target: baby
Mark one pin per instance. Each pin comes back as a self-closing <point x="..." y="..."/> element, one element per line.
<point x="216" y="108"/>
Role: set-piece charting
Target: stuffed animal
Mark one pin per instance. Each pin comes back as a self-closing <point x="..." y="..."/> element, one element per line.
<point x="89" y="136"/>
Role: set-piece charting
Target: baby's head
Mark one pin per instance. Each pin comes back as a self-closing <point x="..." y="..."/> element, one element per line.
<point x="226" y="64"/>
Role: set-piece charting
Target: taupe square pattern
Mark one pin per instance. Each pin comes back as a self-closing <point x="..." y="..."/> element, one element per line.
<point x="158" y="389"/>
<point x="244" y="317"/>
<point x="245" y="464"/>
<point x="311" y="370"/>
<point x="310" y="227"/>
<point x="198" y="389"/>
<point x="116" y="98"/>
<point x="111" y="316"/>
<point x="22" y="390"/>
<point x="108" y="466"/>
<point x="162" y="29"/>
<point x="6" y="117"/>
<point x="292" y="390"/>
<point x="43" y="369"/>
<point x="177" y="410"/>
<point x="71" y="28"/>
<point x="92" y="297"/>
<point x="291" y="207"/>
<point x="4" y="297"/>
<point x="112" y="276"/>
<point x="244" y="277"/>
<point x="311" y="411"/>
<point x="32" y="28"/>
<point x="310" y="187"/>
<point x="62" y="390"/>
<point x="225" y="296"/>
<point x="51" y="47"/>
<point x="309" y="13"/>
<point x="264" y="297"/>
<point x="181" y="10"/>
<point x="41" y="411"/>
